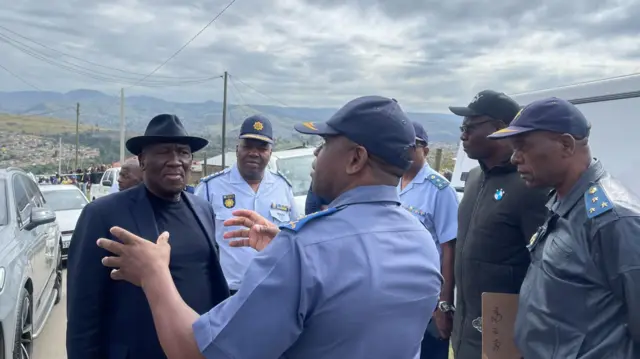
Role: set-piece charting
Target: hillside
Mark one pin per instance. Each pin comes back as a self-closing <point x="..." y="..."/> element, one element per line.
<point x="38" y="125"/>
<point x="99" y="109"/>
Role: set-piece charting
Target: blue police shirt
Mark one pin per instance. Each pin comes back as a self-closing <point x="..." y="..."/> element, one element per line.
<point x="357" y="280"/>
<point x="227" y="191"/>
<point x="430" y="199"/>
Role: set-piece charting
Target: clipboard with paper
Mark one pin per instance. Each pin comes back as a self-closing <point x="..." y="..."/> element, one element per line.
<point x="497" y="326"/>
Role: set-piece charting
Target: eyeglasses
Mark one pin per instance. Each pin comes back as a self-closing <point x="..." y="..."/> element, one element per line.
<point x="472" y="126"/>
<point x="421" y="143"/>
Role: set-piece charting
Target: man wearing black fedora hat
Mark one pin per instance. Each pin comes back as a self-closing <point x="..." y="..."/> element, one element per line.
<point x="108" y="319"/>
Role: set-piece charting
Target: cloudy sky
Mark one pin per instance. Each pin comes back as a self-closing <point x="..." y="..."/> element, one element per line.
<point x="426" y="53"/>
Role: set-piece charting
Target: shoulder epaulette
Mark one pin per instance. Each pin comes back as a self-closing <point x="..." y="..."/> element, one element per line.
<point x="214" y="175"/>
<point x="281" y="175"/>
<point x="596" y="201"/>
<point x="297" y="225"/>
<point x="438" y="181"/>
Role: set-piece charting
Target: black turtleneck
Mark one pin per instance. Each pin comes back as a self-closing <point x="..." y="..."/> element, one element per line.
<point x="191" y="252"/>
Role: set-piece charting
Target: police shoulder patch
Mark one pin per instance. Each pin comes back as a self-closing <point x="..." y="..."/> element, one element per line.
<point x="596" y="201"/>
<point x="281" y="175"/>
<point x="214" y="175"/>
<point x="297" y="225"/>
<point x="437" y="180"/>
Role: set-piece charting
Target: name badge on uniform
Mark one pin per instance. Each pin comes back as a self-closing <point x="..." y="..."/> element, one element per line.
<point x="281" y="207"/>
<point x="229" y="200"/>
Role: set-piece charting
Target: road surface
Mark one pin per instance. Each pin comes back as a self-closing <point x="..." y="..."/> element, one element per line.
<point x="51" y="343"/>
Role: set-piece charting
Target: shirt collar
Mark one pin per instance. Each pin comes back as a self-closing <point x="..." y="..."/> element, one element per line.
<point x="564" y="205"/>
<point x="420" y="177"/>
<point x="236" y="177"/>
<point x="367" y="194"/>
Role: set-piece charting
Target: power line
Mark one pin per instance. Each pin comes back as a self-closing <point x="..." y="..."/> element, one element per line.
<point x="187" y="43"/>
<point x="97" y="75"/>
<point x="257" y="91"/>
<point x="91" y="62"/>
<point x="273" y="109"/>
<point x="20" y="78"/>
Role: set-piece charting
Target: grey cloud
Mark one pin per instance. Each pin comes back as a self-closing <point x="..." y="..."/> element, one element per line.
<point x="452" y="35"/>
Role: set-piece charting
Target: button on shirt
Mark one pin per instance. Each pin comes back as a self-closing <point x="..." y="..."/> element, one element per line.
<point x="227" y="191"/>
<point x="434" y="203"/>
<point x="358" y="280"/>
<point x="581" y="295"/>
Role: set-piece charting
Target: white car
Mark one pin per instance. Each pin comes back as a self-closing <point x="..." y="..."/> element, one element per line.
<point x="296" y="166"/>
<point x="67" y="201"/>
<point x="108" y="184"/>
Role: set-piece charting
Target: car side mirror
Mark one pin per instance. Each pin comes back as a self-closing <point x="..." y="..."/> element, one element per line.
<point x="40" y="216"/>
<point x="107" y="183"/>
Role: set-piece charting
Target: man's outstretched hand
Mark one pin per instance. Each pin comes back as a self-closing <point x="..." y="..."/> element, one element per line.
<point x="138" y="260"/>
<point x="257" y="234"/>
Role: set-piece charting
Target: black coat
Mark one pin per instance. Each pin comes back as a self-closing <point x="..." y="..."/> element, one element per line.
<point x="109" y="319"/>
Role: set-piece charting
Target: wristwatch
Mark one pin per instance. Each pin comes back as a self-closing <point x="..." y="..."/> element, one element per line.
<point x="445" y="307"/>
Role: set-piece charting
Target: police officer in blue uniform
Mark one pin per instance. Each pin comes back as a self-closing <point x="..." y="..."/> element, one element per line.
<point x="581" y="295"/>
<point x="247" y="185"/>
<point x="428" y="196"/>
<point x="357" y="280"/>
<point x="313" y="202"/>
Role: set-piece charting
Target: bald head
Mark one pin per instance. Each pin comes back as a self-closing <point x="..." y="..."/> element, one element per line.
<point x="130" y="174"/>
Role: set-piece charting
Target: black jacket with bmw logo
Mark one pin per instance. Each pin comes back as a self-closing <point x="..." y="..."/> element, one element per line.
<point x="497" y="216"/>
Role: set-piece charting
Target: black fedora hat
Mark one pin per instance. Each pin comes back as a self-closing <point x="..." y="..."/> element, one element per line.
<point x="165" y="129"/>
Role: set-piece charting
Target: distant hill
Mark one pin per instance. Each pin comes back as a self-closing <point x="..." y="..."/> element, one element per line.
<point x="205" y="118"/>
<point x="43" y="126"/>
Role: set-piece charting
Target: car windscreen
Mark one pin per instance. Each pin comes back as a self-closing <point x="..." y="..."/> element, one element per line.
<point x="297" y="170"/>
<point x="4" y="219"/>
<point x="63" y="200"/>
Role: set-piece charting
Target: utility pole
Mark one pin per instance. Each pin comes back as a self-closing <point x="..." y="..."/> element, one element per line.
<point x="121" y="126"/>
<point x="224" y="119"/>
<point x="77" y="131"/>
<point x="60" y="155"/>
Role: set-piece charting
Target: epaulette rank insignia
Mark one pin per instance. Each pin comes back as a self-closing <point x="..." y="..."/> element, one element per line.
<point x="297" y="225"/>
<point x="438" y="181"/>
<point x="211" y="176"/>
<point x="596" y="201"/>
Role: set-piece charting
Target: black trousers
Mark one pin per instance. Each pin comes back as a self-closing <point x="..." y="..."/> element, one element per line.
<point x="432" y="347"/>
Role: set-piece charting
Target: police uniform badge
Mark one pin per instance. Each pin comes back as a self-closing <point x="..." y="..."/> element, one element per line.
<point x="596" y="201"/>
<point x="229" y="200"/>
<point x="258" y="126"/>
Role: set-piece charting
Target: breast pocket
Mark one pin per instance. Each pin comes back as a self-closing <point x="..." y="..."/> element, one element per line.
<point x="279" y="216"/>
<point x="564" y="277"/>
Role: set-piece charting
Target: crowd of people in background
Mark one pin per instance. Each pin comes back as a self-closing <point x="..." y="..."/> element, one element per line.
<point x="83" y="178"/>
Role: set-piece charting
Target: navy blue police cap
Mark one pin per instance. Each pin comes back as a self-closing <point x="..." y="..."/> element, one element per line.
<point x="421" y="133"/>
<point x="550" y="114"/>
<point x="376" y="123"/>
<point x="257" y="127"/>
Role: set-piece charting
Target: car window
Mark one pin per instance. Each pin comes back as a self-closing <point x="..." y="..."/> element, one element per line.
<point x="297" y="170"/>
<point x="63" y="200"/>
<point x="33" y="192"/>
<point x="4" y="213"/>
<point x="20" y="194"/>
